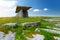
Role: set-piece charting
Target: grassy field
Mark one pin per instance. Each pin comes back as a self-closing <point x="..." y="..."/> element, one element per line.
<point x="29" y="30"/>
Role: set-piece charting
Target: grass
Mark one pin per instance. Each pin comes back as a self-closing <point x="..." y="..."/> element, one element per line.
<point x="19" y="35"/>
<point x="29" y="30"/>
<point x="7" y="20"/>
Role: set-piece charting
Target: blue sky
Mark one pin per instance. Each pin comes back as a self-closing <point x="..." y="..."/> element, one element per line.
<point x="53" y="7"/>
<point x="39" y="7"/>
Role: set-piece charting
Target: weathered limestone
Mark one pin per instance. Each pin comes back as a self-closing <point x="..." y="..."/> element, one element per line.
<point x="30" y="24"/>
<point x="51" y="31"/>
<point x="10" y="25"/>
<point x="36" y="37"/>
<point x="9" y="36"/>
<point x="57" y="25"/>
<point x="56" y="38"/>
<point x="52" y="19"/>
<point x="37" y="29"/>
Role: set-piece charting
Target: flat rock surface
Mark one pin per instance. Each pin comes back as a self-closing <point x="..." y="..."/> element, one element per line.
<point x="10" y="24"/>
<point x="51" y="31"/>
<point x="52" y="19"/>
<point x="57" y="25"/>
<point x="31" y="24"/>
<point x="9" y="36"/>
<point x="36" y="37"/>
<point x="56" y="38"/>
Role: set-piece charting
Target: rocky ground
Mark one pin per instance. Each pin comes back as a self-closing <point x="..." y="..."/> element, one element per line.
<point x="50" y="30"/>
<point x="9" y="36"/>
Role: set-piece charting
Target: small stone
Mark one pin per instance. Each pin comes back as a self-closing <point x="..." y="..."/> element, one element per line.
<point x="37" y="29"/>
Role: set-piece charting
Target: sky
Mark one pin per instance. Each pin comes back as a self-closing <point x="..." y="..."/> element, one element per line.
<point x="39" y="7"/>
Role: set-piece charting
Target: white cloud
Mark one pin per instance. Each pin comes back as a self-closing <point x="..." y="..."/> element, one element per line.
<point x="7" y="8"/>
<point x="45" y="9"/>
<point x="36" y="10"/>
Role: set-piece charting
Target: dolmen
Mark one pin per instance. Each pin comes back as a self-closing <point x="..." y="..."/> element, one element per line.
<point x="10" y="25"/>
<point x="30" y="24"/>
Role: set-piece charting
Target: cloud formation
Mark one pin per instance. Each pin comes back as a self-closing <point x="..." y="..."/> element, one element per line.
<point x="36" y="10"/>
<point x="7" y="8"/>
<point x="45" y="9"/>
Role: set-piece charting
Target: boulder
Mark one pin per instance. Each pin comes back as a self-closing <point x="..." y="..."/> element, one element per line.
<point x="10" y="25"/>
<point x="28" y="24"/>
